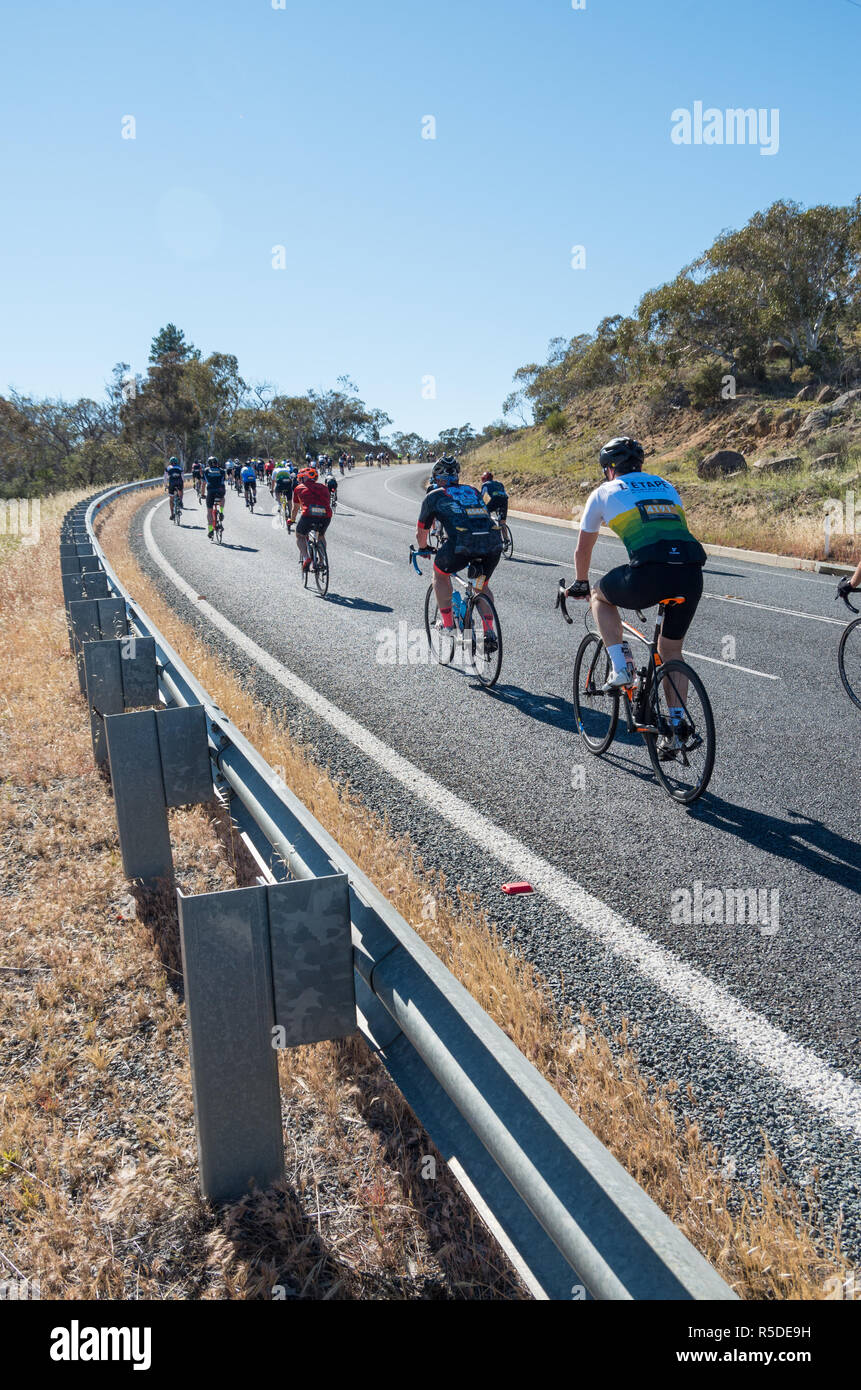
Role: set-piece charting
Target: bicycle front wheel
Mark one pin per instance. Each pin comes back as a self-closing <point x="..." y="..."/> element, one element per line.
<point x="849" y="661"/>
<point x="483" y="643"/>
<point x="440" y="640"/>
<point x="682" y="755"/>
<point x="596" y="715"/>
<point x="507" y="541"/>
<point x="321" y="567"/>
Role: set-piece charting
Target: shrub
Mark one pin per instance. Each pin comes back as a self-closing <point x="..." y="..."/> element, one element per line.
<point x="556" y="421"/>
<point x="705" y="385"/>
<point x="802" y="376"/>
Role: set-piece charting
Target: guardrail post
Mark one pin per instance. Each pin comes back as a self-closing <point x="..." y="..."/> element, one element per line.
<point x="90" y="621"/>
<point x="264" y="968"/>
<point x="120" y="675"/>
<point x="157" y="759"/>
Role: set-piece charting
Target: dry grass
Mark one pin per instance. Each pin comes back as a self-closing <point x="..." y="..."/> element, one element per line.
<point x="98" y="1171"/>
<point x="766" y="1242"/>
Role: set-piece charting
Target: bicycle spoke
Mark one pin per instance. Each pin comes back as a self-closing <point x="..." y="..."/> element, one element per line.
<point x="597" y="715"/>
<point x="849" y="661"/>
<point x="682" y="752"/>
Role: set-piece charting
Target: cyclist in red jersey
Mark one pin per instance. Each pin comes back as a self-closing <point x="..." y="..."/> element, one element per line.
<point x="311" y="499"/>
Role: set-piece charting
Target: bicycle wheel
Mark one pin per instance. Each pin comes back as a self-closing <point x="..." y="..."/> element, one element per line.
<point x="507" y="541"/>
<point x="596" y="715"/>
<point x="484" y="648"/>
<point x="684" y="771"/>
<point x="441" y="642"/>
<point x="849" y="661"/>
<point x="320" y="557"/>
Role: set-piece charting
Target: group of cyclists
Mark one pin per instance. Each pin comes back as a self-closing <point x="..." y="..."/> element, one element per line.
<point x="303" y="499"/>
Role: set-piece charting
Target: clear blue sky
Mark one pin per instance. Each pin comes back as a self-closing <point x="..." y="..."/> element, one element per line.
<point x="405" y="257"/>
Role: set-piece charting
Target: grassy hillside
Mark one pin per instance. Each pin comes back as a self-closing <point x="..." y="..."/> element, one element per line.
<point x="551" y="470"/>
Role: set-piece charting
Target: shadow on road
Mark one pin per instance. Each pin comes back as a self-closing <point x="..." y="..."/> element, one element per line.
<point x="547" y="709"/>
<point x="814" y="846"/>
<point x="360" y="605"/>
<point x="535" y="564"/>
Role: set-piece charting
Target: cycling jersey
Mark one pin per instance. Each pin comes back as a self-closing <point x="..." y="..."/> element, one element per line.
<point x="215" y="481"/>
<point x="313" y="499"/>
<point x="283" y="479"/>
<point x="646" y="513"/>
<point x="493" y="492"/>
<point x="470" y="536"/>
<point x="174" y="478"/>
<point x="248" y="474"/>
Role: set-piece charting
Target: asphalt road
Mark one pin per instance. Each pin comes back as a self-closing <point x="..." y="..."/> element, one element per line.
<point x="761" y="1020"/>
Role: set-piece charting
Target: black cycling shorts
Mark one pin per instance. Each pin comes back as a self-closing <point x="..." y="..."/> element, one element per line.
<point x="312" y="523"/>
<point x="642" y="586"/>
<point x="213" y="497"/>
<point x="175" y="485"/>
<point x="500" y="508"/>
<point x="448" y="561"/>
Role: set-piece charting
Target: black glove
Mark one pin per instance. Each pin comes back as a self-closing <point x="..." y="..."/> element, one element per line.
<point x="425" y="552"/>
<point x="844" y="588"/>
<point x="579" y="589"/>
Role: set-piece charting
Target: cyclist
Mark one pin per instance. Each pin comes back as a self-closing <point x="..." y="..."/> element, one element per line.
<point x="249" y="482"/>
<point x="469" y="539"/>
<point x="216" y="487"/>
<point x="174" y="481"/>
<point x="197" y="477"/>
<point x="494" y="497"/>
<point x="237" y="478"/>
<point x="664" y="560"/>
<point x="283" y="483"/>
<point x="268" y="470"/>
<point x="311" y="498"/>
<point x="332" y="484"/>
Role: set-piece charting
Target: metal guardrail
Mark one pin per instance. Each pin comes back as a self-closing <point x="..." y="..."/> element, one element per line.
<point x="573" y="1222"/>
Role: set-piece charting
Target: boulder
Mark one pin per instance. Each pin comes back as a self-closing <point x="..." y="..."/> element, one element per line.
<point x="847" y="399"/>
<point x="786" y="417"/>
<point x="826" y="394"/>
<point x="778" y="465"/>
<point x="825" y="461"/>
<point x="818" y="419"/>
<point x="759" y="421"/>
<point x="807" y="393"/>
<point x="720" y="463"/>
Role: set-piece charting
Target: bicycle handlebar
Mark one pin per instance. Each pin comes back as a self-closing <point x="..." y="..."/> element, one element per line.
<point x="850" y="606"/>
<point x="561" y="601"/>
<point x="413" y="561"/>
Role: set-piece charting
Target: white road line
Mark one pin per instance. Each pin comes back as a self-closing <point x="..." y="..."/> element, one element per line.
<point x="756" y="1040"/>
<point x="731" y="665"/>
<point x="770" y="608"/>
<point x="366" y="556"/>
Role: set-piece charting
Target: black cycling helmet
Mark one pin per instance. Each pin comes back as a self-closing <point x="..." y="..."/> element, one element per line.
<point x="447" y="467"/>
<point x="625" y="455"/>
<point x="212" y="462"/>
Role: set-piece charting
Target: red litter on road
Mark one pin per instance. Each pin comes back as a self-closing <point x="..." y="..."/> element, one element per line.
<point x="517" y="888"/>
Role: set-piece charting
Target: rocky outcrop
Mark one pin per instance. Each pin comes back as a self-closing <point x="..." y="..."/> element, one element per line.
<point x="807" y="393"/>
<point x="784" y="464"/>
<point x="825" y="461"/>
<point x="720" y="463"/>
<point x="827" y="394"/>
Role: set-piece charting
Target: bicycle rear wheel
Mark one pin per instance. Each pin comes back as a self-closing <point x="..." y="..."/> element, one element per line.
<point x="596" y="715"/>
<point x="484" y="648"/>
<point x="684" y="770"/>
<point x="320" y="566"/>
<point x="849" y="661"/>
<point x="441" y="641"/>
<point x="507" y="541"/>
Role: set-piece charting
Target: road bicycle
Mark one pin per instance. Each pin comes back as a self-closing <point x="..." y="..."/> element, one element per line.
<point x="319" y="566"/>
<point x="849" y="657"/>
<point x="216" y="516"/>
<point x="284" y="508"/>
<point x="682" y="754"/>
<point x="250" y="496"/>
<point x="471" y="612"/>
<point x="198" y="487"/>
<point x="176" y="508"/>
<point x="507" y="538"/>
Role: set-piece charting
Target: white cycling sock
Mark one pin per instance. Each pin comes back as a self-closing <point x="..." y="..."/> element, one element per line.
<point x="619" y="656"/>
